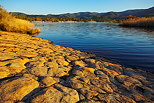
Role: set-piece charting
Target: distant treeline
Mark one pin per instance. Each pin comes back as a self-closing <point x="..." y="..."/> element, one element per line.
<point x="130" y="21"/>
<point x="53" y="19"/>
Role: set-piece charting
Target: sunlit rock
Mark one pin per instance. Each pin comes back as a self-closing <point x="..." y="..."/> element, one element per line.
<point x="16" y="89"/>
<point x="57" y="94"/>
<point x="48" y="81"/>
<point x="33" y="71"/>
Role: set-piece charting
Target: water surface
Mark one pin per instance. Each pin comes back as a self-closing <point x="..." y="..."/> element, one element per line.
<point x="131" y="47"/>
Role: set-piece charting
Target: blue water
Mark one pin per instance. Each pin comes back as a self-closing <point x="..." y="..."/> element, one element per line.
<point x="130" y="47"/>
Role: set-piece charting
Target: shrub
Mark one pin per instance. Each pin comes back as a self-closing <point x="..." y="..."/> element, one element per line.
<point x="147" y="22"/>
<point x="12" y="24"/>
<point x="34" y="31"/>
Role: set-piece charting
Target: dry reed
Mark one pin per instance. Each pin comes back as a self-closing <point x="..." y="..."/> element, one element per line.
<point x="12" y="24"/>
<point x="147" y="22"/>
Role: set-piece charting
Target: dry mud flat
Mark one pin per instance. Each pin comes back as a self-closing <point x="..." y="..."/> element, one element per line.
<point x="34" y="71"/>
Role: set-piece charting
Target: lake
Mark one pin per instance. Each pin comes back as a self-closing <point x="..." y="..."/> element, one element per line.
<point x="130" y="47"/>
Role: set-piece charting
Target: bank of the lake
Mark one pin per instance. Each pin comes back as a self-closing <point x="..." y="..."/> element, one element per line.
<point x="34" y="70"/>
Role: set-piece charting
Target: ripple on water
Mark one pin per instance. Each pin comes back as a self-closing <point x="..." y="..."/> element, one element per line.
<point x="129" y="46"/>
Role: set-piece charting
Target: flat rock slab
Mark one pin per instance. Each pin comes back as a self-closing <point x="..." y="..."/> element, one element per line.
<point x="34" y="71"/>
<point x="15" y="90"/>
<point x="56" y="94"/>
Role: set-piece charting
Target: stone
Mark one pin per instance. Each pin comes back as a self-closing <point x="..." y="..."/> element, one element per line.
<point x="46" y="50"/>
<point x="29" y="54"/>
<point x="139" y="97"/>
<point x="37" y="63"/>
<point x="99" y="72"/>
<point x="3" y="63"/>
<point x="4" y="72"/>
<point x="131" y="81"/>
<point x="91" y="70"/>
<point x="121" y="78"/>
<point x="90" y="60"/>
<point x="86" y="80"/>
<point x="139" y="77"/>
<point x="52" y="64"/>
<point x="102" y="75"/>
<point x="59" y="72"/>
<point x="12" y="67"/>
<point x="48" y="81"/>
<point x="58" y="94"/>
<point x="79" y="73"/>
<point x="4" y="57"/>
<point x="107" y="88"/>
<point x="80" y="63"/>
<point x="62" y="62"/>
<point x="72" y="58"/>
<point x="39" y="71"/>
<point x="129" y="71"/>
<point x="115" y="98"/>
<point x="76" y="85"/>
<point x="110" y="73"/>
<point x="15" y="68"/>
<point x="15" y="90"/>
<point x="81" y="97"/>
<point x="116" y="68"/>
<point x="91" y="94"/>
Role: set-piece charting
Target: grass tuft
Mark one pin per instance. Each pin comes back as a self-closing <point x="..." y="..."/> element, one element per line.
<point x="11" y="24"/>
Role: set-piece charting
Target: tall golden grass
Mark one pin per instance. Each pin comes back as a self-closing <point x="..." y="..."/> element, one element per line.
<point x="12" y="24"/>
<point x="147" y="22"/>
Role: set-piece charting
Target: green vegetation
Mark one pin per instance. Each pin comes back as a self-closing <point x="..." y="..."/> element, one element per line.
<point x="12" y="24"/>
<point x="53" y="19"/>
<point x="147" y="22"/>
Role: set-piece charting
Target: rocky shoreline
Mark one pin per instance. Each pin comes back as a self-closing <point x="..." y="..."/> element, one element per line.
<point x="34" y="71"/>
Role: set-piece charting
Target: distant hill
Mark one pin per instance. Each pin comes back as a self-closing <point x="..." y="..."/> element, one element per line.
<point x="146" y="12"/>
<point x="107" y="15"/>
<point x="18" y="13"/>
<point x="138" y="12"/>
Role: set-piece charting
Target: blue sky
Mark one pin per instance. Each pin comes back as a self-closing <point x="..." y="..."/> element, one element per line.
<point x="72" y="6"/>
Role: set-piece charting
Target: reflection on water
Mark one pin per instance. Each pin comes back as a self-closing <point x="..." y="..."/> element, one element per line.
<point x="140" y="29"/>
<point x="132" y="47"/>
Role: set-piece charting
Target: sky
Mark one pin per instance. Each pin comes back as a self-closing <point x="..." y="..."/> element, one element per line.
<point x="73" y="6"/>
